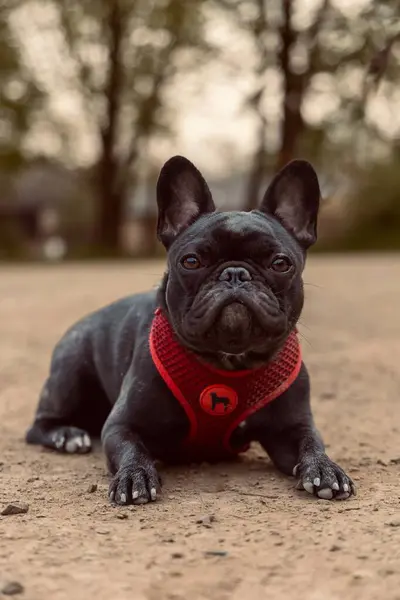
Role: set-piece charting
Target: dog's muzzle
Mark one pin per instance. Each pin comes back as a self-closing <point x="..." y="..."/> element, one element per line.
<point x="235" y="325"/>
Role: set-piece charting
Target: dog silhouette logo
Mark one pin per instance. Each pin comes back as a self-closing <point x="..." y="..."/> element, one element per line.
<point x="218" y="400"/>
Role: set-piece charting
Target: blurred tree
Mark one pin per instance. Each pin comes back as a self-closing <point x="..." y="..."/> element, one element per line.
<point x="371" y="216"/>
<point x="20" y="97"/>
<point x="106" y="63"/>
<point x="326" y="58"/>
<point x="123" y="55"/>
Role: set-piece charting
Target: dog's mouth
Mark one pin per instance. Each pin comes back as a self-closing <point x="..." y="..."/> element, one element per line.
<point x="239" y="322"/>
<point x="240" y="327"/>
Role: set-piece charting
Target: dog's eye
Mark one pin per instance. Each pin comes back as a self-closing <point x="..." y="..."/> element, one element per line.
<point x="190" y="262"/>
<point x="281" y="264"/>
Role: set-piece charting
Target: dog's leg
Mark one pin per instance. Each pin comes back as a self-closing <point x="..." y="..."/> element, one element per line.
<point x="286" y="430"/>
<point x="134" y="476"/>
<point x="62" y="402"/>
<point x="300" y="452"/>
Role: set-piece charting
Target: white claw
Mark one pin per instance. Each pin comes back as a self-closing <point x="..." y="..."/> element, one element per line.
<point x="123" y="498"/>
<point x="335" y="486"/>
<point x="79" y="442"/>
<point x="112" y="496"/>
<point x="86" y="440"/>
<point x="59" y="443"/>
<point x="317" y="481"/>
<point x="345" y="487"/>
<point x="295" y="470"/>
<point x="153" y="494"/>
<point x="308" y="486"/>
<point x="135" y="495"/>
<point x="326" y="494"/>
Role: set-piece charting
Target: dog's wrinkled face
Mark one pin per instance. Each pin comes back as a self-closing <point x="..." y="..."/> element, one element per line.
<point x="233" y="291"/>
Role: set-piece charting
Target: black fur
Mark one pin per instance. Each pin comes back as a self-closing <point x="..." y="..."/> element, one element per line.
<point x="232" y="292"/>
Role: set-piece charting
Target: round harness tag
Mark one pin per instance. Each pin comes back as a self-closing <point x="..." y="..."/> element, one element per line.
<point x="218" y="400"/>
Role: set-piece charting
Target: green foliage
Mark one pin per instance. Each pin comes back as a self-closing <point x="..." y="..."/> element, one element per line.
<point x="116" y="59"/>
<point x="153" y="34"/>
<point x="19" y="97"/>
<point x="371" y="220"/>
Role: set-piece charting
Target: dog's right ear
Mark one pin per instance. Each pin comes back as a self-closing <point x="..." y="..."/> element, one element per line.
<point x="182" y="197"/>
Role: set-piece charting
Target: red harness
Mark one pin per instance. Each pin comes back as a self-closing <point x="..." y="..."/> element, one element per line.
<point x="217" y="401"/>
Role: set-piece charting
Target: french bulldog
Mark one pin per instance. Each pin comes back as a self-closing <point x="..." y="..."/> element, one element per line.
<point x="209" y="361"/>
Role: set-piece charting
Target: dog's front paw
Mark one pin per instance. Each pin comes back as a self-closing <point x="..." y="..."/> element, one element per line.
<point x="320" y="476"/>
<point x="136" y="484"/>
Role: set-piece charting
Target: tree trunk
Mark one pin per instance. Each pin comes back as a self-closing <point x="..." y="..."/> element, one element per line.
<point x="257" y="171"/>
<point x="111" y="199"/>
<point x="292" y="121"/>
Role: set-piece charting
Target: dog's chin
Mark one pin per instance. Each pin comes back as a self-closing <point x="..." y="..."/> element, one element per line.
<point x="234" y="329"/>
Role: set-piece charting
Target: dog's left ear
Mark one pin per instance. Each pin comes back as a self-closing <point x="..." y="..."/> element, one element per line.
<point x="293" y="199"/>
<point x="182" y="197"/>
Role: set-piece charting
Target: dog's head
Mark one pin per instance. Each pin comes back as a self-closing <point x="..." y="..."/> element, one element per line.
<point x="233" y="290"/>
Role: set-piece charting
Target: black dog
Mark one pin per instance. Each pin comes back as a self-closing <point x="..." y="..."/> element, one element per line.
<point x="215" y="400"/>
<point x="228" y="303"/>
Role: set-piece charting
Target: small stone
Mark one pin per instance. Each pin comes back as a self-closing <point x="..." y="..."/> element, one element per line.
<point x="15" y="508"/>
<point x="393" y="523"/>
<point x="206" y="521"/>
<point x="122" y="516"/>
<point x="177" y="555"/>
<point x="335" y="548"/>
<point x="357" y="575"/>
<point x="31" y="479"/>
<point x="381" y="462"/>
<point x="12" y="589"/>
<point x="215" y="553"/>
<point x="92" y="488"/>
<point x="102" y="531"/>
<point x="395" y="461"/>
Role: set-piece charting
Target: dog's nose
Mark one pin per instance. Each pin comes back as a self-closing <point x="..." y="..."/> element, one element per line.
<point x="235" y="275"/>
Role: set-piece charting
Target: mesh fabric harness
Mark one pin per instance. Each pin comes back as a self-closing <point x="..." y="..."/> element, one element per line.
<point x="217" y="401"/>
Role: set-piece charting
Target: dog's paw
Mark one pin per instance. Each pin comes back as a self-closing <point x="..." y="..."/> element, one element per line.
<point x="320" y="476"/>
<point x="137" y="484"/>
<point x="70" y="440"/>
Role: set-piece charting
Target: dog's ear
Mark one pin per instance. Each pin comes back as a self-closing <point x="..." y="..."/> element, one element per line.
<point x="293" y="199"/>
<point x="182" y="197"/>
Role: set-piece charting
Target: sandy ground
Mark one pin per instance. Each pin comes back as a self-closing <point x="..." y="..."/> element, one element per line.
<point x="274" y="542"/>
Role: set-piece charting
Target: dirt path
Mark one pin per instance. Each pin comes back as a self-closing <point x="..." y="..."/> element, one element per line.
<point x="274" y="542"/>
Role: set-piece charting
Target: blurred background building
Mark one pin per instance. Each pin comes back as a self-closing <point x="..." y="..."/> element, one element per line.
<point x="96" y="95"/>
